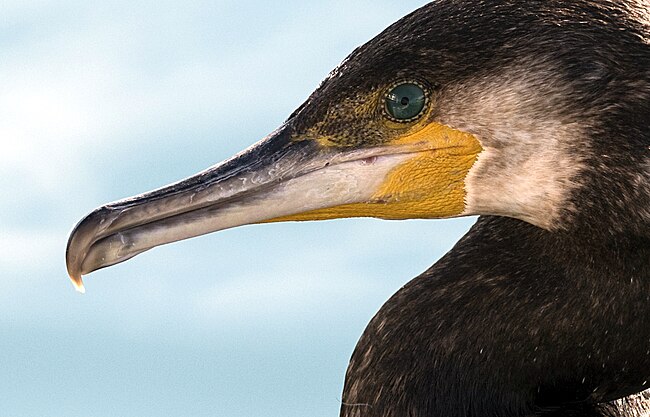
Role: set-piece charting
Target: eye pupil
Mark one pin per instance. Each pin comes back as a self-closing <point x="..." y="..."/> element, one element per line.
<point x="405" y="102"/>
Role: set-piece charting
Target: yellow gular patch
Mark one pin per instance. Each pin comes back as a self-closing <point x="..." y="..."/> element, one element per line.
<point x="431" y="184"/>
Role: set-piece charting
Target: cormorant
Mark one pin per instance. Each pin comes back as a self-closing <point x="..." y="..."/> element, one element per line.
<point x="533" y="114"/>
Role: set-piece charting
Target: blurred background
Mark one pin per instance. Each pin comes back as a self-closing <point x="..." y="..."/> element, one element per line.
<point x="103" y="100"/>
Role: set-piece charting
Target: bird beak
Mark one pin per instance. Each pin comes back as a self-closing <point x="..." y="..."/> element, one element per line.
<point x="281" y="178"/>
<point x="275" y="178"/>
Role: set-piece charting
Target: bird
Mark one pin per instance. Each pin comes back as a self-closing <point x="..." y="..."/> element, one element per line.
<point x="532" y="115"/>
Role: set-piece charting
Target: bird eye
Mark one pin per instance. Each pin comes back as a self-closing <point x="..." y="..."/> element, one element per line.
<point x="405" y="102"/>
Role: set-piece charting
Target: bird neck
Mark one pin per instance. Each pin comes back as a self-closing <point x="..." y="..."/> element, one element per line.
<point x="614" y="202"/>
<point x="501" y="321"/>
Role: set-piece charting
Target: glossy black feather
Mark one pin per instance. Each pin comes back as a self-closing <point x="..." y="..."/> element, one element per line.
<point x="514" y="320"/>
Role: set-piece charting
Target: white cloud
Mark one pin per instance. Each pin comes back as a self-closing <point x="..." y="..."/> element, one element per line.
<point x="40" y="126"/>
<point x="21" y="248"/>
<point x="283" y="294"/>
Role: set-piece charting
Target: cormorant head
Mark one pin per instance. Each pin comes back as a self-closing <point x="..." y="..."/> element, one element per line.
<point x="536" y="110"/>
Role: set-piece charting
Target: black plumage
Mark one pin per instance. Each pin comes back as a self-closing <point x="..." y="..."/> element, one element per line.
<point x="513" y="321"/>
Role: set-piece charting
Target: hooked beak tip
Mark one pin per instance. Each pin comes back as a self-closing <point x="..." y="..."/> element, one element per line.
<point x="78" y="283"/>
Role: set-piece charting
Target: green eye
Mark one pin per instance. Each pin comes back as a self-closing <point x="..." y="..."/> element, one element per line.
<point x="405" y="102"/>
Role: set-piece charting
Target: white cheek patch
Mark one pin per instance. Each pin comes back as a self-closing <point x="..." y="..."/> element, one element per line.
<point x="530" y="163"/>
<point x="534" y="190"/>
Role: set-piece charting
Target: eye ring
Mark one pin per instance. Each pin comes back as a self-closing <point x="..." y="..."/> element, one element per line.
<point x="405" y="101"/>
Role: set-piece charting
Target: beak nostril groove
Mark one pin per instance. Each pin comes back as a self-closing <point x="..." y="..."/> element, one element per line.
<point x="369" y="161"/>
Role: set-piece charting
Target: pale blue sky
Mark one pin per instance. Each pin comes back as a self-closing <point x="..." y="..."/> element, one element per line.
<point x="100" y="101"/>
